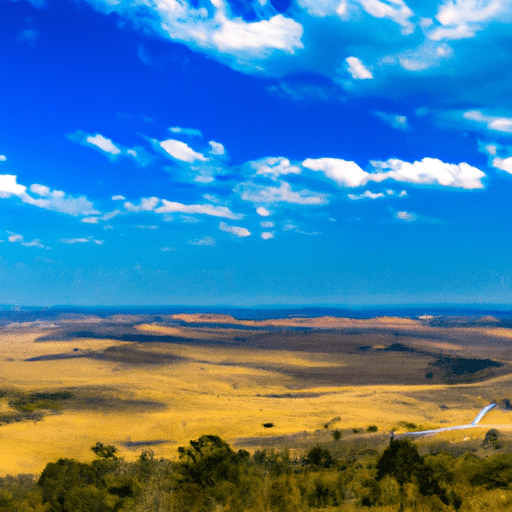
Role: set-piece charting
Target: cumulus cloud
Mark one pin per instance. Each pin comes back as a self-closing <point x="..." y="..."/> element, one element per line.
<point x="90" y="220"/>
<point x="343" y="172"/>
<point x="3" y="158"/>
<point x="234" y="230"/>
<point x="282" y="194"/>
<point x="181" y="151"/>
<point x="430" y="171"/>
<point x="267" y="224"/>
<point x="357" y="69"/>
<point x="55" y="200"/>
<point x="267" y="235"/>
<point x="118" y="198"/>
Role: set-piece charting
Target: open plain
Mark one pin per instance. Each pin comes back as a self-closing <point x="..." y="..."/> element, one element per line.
<point x="155" y="382"/>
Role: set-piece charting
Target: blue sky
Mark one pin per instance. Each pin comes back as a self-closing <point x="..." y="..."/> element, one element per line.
<point x="210" y="152"/>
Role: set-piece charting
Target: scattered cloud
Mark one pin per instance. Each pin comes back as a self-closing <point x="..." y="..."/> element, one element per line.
<point x="496" y="123"/>
<point x="273" y="167"/>
<point x="118" y="198"/>
<point x="430" y="171"/>
<point x="181" y="151"/>
<point x="406" y="216"/>
<point x="72" y="241"/>
<point x="263" y="212"/>
<point x="150" y="227"/>
<point x="55" y="200"/>
<point x="234" y="230"/>
<point x="103" y="143"/>
<point x="357" y="69"/>
<point x="90" y="220"/>
<point x="147" y="204"/>
<point x="217" y="148"/>
<point x="366" y="195"/>
<point x="267" y="235"/>
<point x="396" y="121"/>
<point x="202" y="209"/>
<point x="282" y="194"/>
<point x="504" y="164"/>
<point x="207" y="241"/>
<point x="3" y="158"/>
<point x="17" y="238"/>
<point x="267" y="224"/>
<point x="191" y="132"/>
<point x="343" y="172"/>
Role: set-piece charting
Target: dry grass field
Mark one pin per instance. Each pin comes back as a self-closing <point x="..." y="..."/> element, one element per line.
<point x="140" y="383"/>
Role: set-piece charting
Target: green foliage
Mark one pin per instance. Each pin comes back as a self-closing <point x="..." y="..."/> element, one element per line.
<point x="492" y="439"/>
<point x="104" y="451"/>
<point x="319" y="457"/>
<point x="336" y="435"/>
<point x="372" y="428"/>
<point x="400" y="460"/>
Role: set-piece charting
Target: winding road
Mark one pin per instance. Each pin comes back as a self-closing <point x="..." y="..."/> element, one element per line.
<point x="473" y="424"/>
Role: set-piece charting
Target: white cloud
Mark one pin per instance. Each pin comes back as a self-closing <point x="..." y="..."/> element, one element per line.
<point x="456" y="12"/>
<point x="151" y="227"/>
<point x="147" y="204"/>
<point x="72" y="241"/>
<point x="55" y="200"/>
<point x="14" y="237"/>
<point x="207" y="241"/>
<point x="396" y="121"/>
<point x="505" y="164"/>
<point x="395" y="10"/>
<point x="213" y="30"/>
<point x="118" y="198"/>
<point x="257" y="39"/>
<point x="3" y="158"/>
<point x="343" y="172"/>
<point x="357" y="69"/>
<point x="274" y="167"/>
<point x="282" y="194"/>
<point x="217" y="148"/>
<point x="191" y="132"/>
<point x="111" y="215"/>
<point x="17" y="238"/>
<point x="406" y="216"/>
<point x="430" y="171"/>
<point x="263" y="212"/>
<point x="496" y="123"/>
<point x="103" y="143"/>
<point x="234" y="230"/>
<point x="181" y="151"/>
<point x="9" y="187"/>
<point x="202" y="209"/>
<point x="267" y="235"/>
<point x="366" y="195"/>
<point x="90" y="220"/>
<point x="462" y="19"/>
<point x="267" y="224"/>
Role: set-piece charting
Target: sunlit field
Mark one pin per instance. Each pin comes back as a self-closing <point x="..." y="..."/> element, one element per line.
<point x="251" y="387"/>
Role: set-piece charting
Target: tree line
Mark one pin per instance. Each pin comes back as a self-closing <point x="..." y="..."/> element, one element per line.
<point x="209" y="476"/>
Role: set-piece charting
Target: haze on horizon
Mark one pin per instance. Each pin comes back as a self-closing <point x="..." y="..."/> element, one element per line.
<point x="263" y="152"/>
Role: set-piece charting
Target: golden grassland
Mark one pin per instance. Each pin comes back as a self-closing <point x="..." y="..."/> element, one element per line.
<point x="125" y="397"/>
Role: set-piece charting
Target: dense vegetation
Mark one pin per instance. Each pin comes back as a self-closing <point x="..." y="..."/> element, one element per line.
<point x="210" y="476"/>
